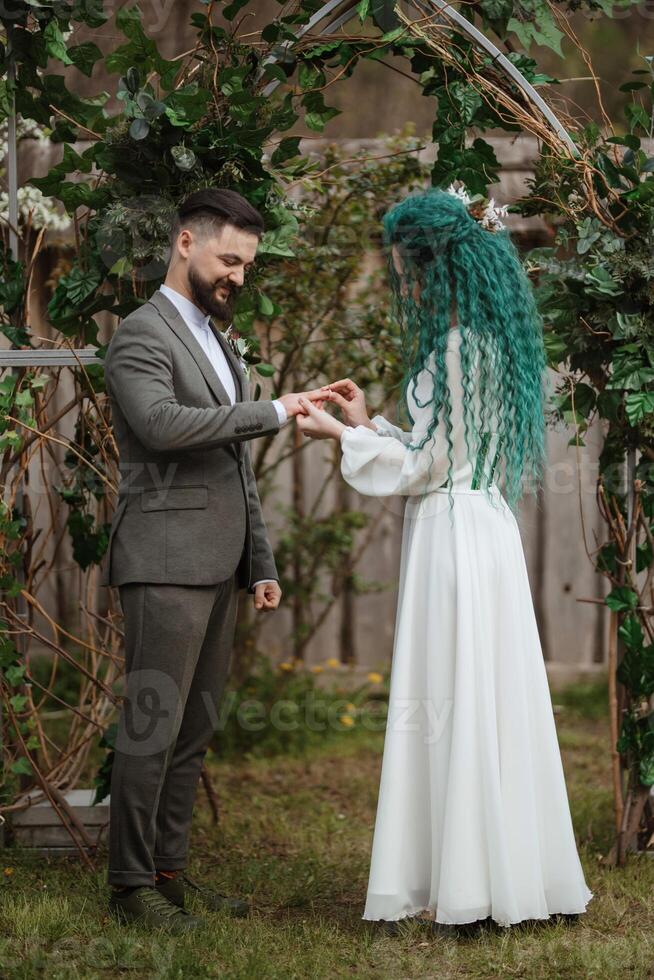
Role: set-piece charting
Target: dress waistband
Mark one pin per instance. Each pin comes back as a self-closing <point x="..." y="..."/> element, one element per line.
<point x="493" y="488"/>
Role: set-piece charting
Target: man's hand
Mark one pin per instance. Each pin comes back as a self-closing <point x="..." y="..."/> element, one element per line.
<point x="267" y="595"/>
<point x="318" y="424"/>
<point x="291" y="402"/>
<point x="351" y="401"/>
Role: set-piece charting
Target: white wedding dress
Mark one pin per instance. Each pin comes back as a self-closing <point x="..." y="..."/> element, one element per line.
<point x="473" y="817"/>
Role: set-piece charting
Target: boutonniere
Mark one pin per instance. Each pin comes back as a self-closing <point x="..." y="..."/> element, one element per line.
<point x="239" y="347"/>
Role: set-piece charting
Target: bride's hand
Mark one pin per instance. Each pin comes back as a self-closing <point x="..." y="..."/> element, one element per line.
<point x="351" y="401"/>
<point x="317" y="423"/>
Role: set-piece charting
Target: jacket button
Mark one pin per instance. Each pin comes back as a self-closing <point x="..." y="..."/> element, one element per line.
<point x="238" y="429"/>
<point x="259" y="425"/>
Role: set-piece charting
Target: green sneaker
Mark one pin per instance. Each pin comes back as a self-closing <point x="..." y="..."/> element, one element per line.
<point x="174" y="889"/>
<point x="147" y="905"/>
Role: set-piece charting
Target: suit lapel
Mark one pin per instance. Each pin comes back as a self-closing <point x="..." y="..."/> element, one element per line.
<point x="173" y="318"/>
<point x="171" y="315"/>
<point x="237" y="373"/>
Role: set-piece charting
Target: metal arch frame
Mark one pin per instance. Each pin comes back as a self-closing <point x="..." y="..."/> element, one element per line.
<point x="442" y="7"/>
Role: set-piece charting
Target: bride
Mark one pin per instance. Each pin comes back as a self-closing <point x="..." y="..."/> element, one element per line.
<point x="473" y="821"/>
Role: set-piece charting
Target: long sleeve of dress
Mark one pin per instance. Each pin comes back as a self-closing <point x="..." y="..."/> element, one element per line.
<point x="386" y="428"/>
<point x="378" y="466"/>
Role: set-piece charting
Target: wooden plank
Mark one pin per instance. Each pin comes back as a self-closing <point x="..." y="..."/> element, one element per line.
<point x="43" y="814"/>
<point x="51" y="836"/>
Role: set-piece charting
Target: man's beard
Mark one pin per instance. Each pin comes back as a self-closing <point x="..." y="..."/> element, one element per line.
<point x="205" y="296"/>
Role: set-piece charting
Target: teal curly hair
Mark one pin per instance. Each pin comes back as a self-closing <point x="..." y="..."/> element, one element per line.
<point x="454" y="260"/>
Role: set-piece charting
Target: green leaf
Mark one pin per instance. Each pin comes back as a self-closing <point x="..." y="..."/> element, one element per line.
<point x="70" y="294"/>
<point x="363" y="7"/>
<point x="599" y="281"/>
<point x="627" y="140"/>
<point x="139" y="129"/>
<point x="318" y="114"/>
<point x="646" y="770"/>
<point x="278" y="240"/>
<point x="230" y="12"/>
<point x="140" y="51"/>
<point x="186" y="105"/>
<point x="310" y="76"/>
<point x="638" y="405"/>
<point x="621" y="598"/>
<point x="584" y="399"/>
<point x="15" y="674"/>
<point x="274" y="72"/>
<point x="22" y="767"/>
<point x="84" y="56"/>
<point x="18" y="701"/>
<point x="121" y="267"/>
<point x="555" y="348"/>
<point x="288" y="148"/>
<point x="265" y="370"/>
<point x="393" y="35"/>
<point x="132" y="80"/>
<point x="55" y="44"/>
<point x="266" y="306"/>
<point x="540" y="28"/>
<point x="631" y="632"/>
<point x="637" y="116"/>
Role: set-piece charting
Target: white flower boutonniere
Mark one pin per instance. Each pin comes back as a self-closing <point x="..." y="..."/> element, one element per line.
<point x="239" y="347"/>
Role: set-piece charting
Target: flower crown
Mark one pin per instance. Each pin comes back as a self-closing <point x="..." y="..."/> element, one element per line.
<point x="487" y="213"/>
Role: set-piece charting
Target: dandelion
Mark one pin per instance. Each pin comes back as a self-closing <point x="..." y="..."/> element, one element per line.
<point x="374" y="677"/>
<point x="317" y="669"/>
<point x="351" y="707"/>
<point x="9" y="871"/>
<point x="346" y="720"/>
<point x="333" y="662"/>
<point x="285" y="665"/>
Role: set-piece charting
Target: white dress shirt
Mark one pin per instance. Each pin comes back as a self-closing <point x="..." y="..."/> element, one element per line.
<point x="198" y="324"/>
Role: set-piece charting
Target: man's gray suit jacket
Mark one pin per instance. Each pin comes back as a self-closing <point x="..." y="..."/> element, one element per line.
<point x="188" y="511"/>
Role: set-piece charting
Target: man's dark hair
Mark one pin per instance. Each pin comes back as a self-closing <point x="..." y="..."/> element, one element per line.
<point x="206" y="211"/>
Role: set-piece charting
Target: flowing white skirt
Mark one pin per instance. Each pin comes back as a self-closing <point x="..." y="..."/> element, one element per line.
<point x="473" y="817"/>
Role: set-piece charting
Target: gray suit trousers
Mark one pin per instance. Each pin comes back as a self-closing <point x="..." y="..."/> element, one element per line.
<point x="178" y="645"/>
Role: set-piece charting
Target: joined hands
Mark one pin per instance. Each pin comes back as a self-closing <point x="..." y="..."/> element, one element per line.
<point x="315" y="422"/>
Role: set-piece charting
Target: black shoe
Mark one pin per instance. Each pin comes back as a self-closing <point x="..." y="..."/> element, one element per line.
<point x="567" y="918"/>
<point x="146" y="905"/>
<point x="174" y="889"/>
<point x="468" y="930"/>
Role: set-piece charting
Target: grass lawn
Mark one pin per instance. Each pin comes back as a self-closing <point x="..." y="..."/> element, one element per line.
<point x="294" y="837"/>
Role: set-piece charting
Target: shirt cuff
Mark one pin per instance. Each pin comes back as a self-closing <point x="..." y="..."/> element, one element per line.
<point x="282" y="414"/>
<point x="261" y="582"/>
